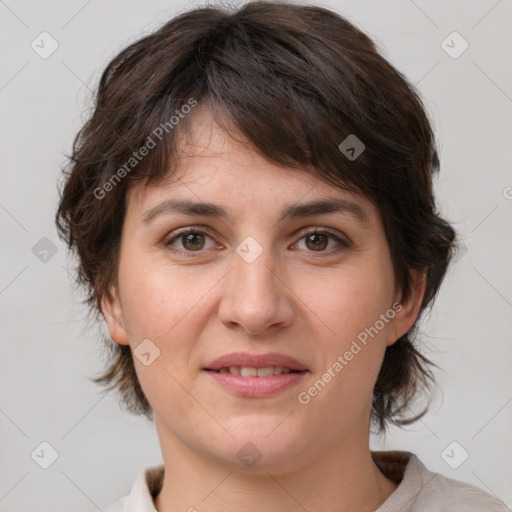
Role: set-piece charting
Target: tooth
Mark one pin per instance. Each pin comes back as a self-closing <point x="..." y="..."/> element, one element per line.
<point x="224" y="370"/>
<point x="235" y="370"/>
<point x="278" y="370"/>
<point x="266" y="372"/>
<point x="246" y="371"/>
<point x="286" y="370"/>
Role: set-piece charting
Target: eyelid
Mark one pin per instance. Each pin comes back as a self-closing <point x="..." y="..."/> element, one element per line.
<point x="185" y="231"/>
<point x="321" y="230"/>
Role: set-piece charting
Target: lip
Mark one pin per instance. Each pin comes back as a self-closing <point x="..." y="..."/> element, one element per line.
<point x="255" y="387"/>
<point x="256" y="361"/>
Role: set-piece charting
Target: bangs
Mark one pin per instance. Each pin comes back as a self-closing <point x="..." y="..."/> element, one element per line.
<point x="291" y="96"/>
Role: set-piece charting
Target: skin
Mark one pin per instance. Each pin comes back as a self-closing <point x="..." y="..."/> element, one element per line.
<point x="294" y="299"/>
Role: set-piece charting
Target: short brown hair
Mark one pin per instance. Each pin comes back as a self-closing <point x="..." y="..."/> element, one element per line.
<point x="295" y="81"/>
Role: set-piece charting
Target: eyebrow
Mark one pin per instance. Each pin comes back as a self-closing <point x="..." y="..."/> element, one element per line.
<point x="296" y="211"/>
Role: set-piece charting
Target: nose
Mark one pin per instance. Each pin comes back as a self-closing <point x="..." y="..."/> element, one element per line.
<point x="255" y="295"/>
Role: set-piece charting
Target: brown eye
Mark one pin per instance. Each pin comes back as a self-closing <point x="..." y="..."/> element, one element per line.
<point x="317" y="241"/>
<point x="189" y="241"/>
<point x="193" y="241"/>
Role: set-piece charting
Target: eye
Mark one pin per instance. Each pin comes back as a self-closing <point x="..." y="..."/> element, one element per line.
<point x="317" y="240"/>
<point x="191" y="240"/>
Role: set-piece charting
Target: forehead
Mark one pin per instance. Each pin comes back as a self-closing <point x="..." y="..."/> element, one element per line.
<point x="214" y="166"/>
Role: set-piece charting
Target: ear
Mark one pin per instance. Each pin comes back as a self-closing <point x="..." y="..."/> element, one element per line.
<point x="112" y="311"/>
<point x="406" y="311"/>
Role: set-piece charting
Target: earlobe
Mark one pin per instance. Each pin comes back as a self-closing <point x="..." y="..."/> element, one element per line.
<point x="112" y="312"/>
<point x="408" y="309"/>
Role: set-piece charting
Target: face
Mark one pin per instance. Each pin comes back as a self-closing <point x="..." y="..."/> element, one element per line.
<point x="255" y="281"/>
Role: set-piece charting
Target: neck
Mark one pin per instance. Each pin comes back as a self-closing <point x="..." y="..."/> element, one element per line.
<point x="345" y="480"/>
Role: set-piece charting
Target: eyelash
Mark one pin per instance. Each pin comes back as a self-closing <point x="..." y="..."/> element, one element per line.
<point x="203" y="231"/>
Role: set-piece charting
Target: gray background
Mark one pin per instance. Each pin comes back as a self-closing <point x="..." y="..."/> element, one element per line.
<point x="47" y="355"/>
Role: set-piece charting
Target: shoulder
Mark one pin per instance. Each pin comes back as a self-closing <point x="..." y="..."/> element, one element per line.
<point x="140" y="499"/>
<point x="421" y="490"/>
<point x="446" y="494"/>
<point x="119" y="505"/>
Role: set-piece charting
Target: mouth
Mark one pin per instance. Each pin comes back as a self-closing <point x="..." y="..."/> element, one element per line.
<point x="256" y="375"/>
<point x="248" y="371"/>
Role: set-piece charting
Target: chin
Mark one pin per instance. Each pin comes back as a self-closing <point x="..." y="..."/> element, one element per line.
<point x="260" y="445"/>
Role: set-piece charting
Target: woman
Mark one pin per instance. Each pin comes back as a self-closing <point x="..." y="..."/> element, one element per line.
<point x="251" y="204"/>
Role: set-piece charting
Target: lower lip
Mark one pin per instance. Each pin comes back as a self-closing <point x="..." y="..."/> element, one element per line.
<point x="256" y="386"/>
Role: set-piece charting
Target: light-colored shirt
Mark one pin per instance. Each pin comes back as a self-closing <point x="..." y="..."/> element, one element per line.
<point x="419" y="490"/>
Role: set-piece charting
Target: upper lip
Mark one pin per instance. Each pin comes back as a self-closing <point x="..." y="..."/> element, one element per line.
<point x="256" y="361"/>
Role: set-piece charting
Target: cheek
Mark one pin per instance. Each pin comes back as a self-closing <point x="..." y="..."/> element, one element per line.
<point x="347" y="313"/>
<point x="164" y="308"/>
<point x="168" y="305"/>
<point x="153" y="307"/>
<point x="348" y="302"/>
